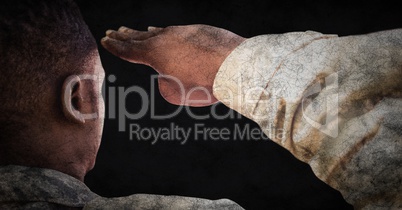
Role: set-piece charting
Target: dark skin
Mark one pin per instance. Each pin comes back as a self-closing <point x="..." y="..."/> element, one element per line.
<point x="192" y="54"/>
<point x="67" y="143"/>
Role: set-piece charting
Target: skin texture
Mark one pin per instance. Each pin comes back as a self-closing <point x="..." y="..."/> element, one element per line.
<point x="186" y="57"/>
<point x="83" y="108"/>
<point x="46" y="50"/>
<point x="68" y="143"/>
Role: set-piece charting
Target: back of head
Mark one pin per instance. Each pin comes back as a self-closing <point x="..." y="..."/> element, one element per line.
<point x="41" y="43"/>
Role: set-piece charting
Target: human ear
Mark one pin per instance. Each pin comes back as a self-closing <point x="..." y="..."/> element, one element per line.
<point x="71" y="99"/>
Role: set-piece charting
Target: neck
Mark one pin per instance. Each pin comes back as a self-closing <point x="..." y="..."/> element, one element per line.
<point x="45" y="154"/>
<point x="57" y="163"/>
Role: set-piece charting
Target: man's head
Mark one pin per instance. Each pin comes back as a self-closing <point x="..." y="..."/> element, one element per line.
<point x="46" y="55"/>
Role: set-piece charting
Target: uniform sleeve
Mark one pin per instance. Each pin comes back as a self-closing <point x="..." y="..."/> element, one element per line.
<point x="333" y="102"/>
<point x="149" y="201"/>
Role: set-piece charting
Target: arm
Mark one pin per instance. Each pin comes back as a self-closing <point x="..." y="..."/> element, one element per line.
<point x="333" y="102"/>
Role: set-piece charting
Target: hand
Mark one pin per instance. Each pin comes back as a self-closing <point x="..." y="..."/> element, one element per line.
<point x="187" y="58"/>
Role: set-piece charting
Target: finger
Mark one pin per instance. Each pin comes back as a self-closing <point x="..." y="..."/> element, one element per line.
<point x="132" y="51"/>
<point x="117" y="35"/>
<point x="140" y="35"/>
<point x="125" y="29"/>
<point x="154" y="29"/>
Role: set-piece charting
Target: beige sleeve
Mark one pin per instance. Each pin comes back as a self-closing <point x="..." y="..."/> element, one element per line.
<point x="150" y="201"/>
<point x="334" y="102"/>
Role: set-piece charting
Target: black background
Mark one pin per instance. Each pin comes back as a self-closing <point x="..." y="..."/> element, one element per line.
<point x="256" y="173"/>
